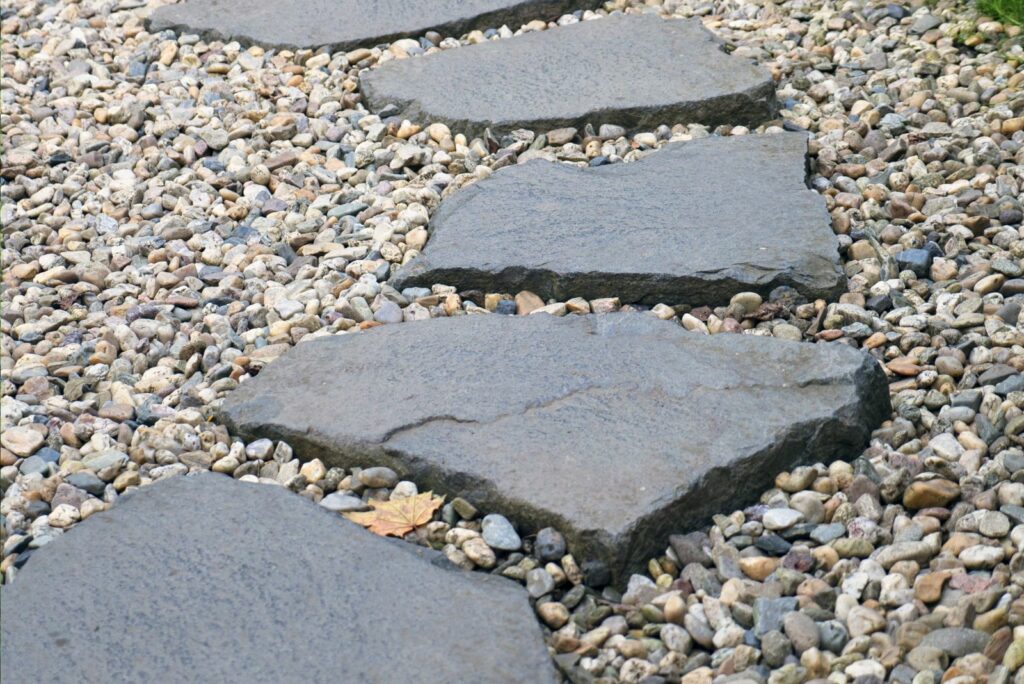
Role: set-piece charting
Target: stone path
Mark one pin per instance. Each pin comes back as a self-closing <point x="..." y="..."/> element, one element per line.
<point x="346" y="24"/>
<point x="624" y="70"/>
<point x="615" y="429"/>
<point x="694" y="222"/>
<point x="203" y="578"/>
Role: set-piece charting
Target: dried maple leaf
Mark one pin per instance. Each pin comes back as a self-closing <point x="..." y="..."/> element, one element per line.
<point x="398" y="517"/>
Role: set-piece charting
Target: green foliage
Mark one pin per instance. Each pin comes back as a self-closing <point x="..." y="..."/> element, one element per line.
<point x="1006" y="11"/>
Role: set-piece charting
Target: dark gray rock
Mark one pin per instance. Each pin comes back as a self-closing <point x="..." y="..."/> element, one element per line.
<point x="87" y="481"/>
<point x="956" y="641"/>
<point x="833" y="636"/>
<point x="549" y="545"/>
<point x="615" y="429"/>
<point x="632" y="71"/>
<point x="696" y="221"/>
<point x="769" y="613"/>
<point x="917" y="260"/>
<point x="206" y="578"/>
<point x="347" y="24"/>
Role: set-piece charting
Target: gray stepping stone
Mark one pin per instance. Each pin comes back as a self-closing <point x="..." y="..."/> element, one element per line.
<point x="348" y="24"/>
<point x="616" y="429"/>
<point x="632" y="71"/>
<point x="693" y="222"/>
<point x="203" y="578"/>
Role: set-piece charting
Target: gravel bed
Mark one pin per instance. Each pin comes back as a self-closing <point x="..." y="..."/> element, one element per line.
<point x="177" y="213"/>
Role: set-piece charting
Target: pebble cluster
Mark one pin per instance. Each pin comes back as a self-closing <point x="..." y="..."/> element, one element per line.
<point x="177" y="213"/>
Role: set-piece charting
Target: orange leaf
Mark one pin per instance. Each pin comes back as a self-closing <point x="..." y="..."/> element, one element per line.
<point x="399" y="517"/>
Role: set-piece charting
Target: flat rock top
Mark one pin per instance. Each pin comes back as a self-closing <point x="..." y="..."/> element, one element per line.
<point x="347" y="24"/>
<point x="693" y="222"/>
<point x="203" y="578"/>
<point x="634" y="71"/>
<point x="616" y="429"/>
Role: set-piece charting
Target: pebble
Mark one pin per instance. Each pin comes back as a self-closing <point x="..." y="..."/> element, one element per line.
<point x="339" y="502"/>
<point x="539" y="582"/>
<point x="22" y="441"/>
<point x="378" y="477"/>
<point x="499" y="533"/>
<point x="781" y="518"/>
<point x="956" y="641"/>
<point x="930" y="494"/>
<point x="549" y="544"/>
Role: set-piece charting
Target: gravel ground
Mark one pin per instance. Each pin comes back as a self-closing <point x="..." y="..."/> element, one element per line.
<point x="178" y="213"/>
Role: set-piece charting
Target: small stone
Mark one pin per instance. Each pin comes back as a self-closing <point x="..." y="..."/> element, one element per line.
<point x="917" y="260"/>
<point x="313" y="471"/>
<point x="478" y="551"/>
<point x="981" y="557"/>
<point x="930" y="494"/>
<point x="86" y="481"/>
<point x="104" y="460"/>
<point x="802" y="631"/>
<point x="862" y="620"/>
<point x="498" y="532"/>
<point x="775" y="647"/>
<point x="129" y="478"/>
<point x="389" y="312"/>
<point x="956" y="641"/>
<point x="539" y="582"/>
<point x="21" y="441"/>
<point x="64" y="516"/>
<point x="554" y="614"/>
<point x="749" y="301"/>
<point x="1013" y="659"/>
<point x="781" y="518"/>
<point x="378" y="477"/>
<point x="853" y="547"/>
<point x="994" y="524"/>
<point x="768" y="613"/>
<point x="466" y="510"/>
<point x="675" y="609"/>
<point x="676" y="638"/>
<point x="758" y="568"/>
<point x="867" y="669"/>
<point x="823" y="534"/>
<point x="34" y="465"/>
<point x="919" y="552"/>
<point x="549" y="545"/>
<point x="341" y="502"/>
<point x="527" y="302"/>
<point x="928" y="588"/>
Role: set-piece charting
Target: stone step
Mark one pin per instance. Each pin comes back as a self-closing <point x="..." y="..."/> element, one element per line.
<point x="695" y="222"/>
<point x="616" y="429"/>
<point x="348" y="24"/>
<point x="203" y="578"/>
<point x="631" y="71"/>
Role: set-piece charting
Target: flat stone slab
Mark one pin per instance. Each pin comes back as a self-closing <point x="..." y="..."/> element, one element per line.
<point x="203" y="578"/>
<point x="694" y="222"/>
<point x="632" y="71"/>
<point x="348" y="24"/>
<point x="616" y="429"/>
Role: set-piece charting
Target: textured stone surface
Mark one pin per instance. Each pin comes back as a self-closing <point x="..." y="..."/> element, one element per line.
<point x="696" y="221"/>
<point x="346" y="24"/>
<point x="202" y="578"/>
<point x="615" y="429"/>
<point x="632" y="71"/>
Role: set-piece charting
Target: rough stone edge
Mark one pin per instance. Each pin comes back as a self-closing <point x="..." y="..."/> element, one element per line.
<point x="167" y="18"/>
<point x="750" y="107"/>
<point x="662" y="288"/>
<point x="487" y="581"/>
<point x="720" y="489"/>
